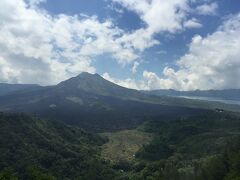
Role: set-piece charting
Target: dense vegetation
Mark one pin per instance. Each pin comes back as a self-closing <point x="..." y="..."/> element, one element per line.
<point x="195" y="148"/>
<point x="31" y="148"/>
<point x="123" y="145"/>
<point x="201" y="147"/>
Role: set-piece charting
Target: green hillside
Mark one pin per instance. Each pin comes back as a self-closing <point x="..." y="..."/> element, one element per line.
<point x="32" y="147"/>
<point x="199" y="147"/>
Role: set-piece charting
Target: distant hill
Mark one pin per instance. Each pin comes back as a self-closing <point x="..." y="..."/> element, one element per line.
<point x="227" y="94"/>
<point x="90" y="101"/>
<point x="11" y="88"/>
<point x="33" y="148"/>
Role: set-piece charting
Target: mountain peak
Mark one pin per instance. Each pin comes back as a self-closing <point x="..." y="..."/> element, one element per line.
<point x="88" y="74"/>
<point x="88" y="82"/>
<point x="94" y="83"/>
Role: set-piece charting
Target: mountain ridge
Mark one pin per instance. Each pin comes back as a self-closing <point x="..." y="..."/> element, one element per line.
<point x="6" y="88"/>
<point x="94" y="83"/>
<point x="91" y="102"/>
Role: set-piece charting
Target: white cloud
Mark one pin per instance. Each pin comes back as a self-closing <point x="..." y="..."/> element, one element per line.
<point x="135" y="66"/>
<point x="128" y="83"/>
<point x="36" y="47"/>
<point x="6" y="73"/>
<point x="212" y="62"/>
<point x="168" y="15"/>
<point x="207" y="9"/>
<point x="139" y="39"/>
<point x="192" y="23"/>
<point x="150" y="81"/>
<point x="159" y="15"/>
<point x="33" y="42"/>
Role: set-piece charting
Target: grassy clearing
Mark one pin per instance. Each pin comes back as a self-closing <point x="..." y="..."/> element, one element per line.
<point x="123" y="145"/>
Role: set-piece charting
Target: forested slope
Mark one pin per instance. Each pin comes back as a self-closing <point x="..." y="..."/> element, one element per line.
<point x="34" y="147"/>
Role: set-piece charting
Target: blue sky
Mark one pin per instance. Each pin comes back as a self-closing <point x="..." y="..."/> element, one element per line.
<point x="155" y="58"/>
<point x="148" y="44"/>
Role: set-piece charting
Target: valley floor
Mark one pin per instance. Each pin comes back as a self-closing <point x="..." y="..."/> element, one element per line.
<point x="199" y="147"/>
<point x="123" y="145"/>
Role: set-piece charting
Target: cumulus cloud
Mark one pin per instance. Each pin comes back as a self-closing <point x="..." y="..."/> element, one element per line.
<point x="159" y="15"/>
<point x="168" y="16"/>
<point x="139" y="39"/>
<point x="192" y="23"/>
<point x="150" y="81"/>
<point x="207" y="9"/>
<point x="36" y="47"/>
<point x="213" y="62"/>
<point x="128" y="83"/>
